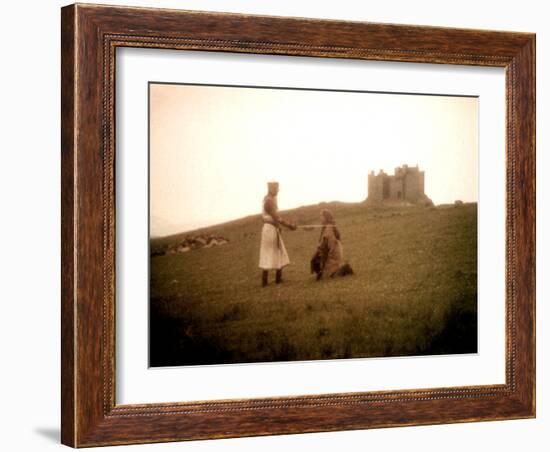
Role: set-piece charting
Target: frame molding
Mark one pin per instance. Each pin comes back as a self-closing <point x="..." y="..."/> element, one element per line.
<point x="90" y="35"/>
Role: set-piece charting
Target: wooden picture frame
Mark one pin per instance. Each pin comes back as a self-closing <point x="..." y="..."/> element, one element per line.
<point x="90" y="35"/>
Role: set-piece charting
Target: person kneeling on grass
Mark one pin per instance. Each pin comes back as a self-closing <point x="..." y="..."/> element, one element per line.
<point x="328" y="260"/>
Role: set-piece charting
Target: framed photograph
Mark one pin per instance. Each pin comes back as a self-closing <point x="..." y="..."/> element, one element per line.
<point x="280" y="225"/>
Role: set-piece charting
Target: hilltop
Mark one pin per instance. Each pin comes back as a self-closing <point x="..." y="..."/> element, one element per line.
<point x="414" y="291"/>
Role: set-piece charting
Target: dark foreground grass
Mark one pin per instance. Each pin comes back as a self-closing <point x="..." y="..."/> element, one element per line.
<point x="414" y="291"/>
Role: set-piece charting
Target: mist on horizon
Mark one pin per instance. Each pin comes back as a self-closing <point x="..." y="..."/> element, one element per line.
<point x="213" y="149"/>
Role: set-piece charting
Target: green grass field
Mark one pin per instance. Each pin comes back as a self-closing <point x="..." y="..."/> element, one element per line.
<point x="414" y="291"/>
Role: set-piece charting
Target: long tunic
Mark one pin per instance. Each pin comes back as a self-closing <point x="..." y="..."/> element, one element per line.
<point x="273" y="254"/>
<point x="332" y="253"/>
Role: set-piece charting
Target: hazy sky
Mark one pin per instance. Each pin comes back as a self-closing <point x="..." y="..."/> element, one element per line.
<point x="212" y="149"/>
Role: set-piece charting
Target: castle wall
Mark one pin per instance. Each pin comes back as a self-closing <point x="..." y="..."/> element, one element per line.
<point x="412" y="186"/>
<point x="375" y="188"/>
<point x="396" y="188"/>
<point x="407" y="184"/>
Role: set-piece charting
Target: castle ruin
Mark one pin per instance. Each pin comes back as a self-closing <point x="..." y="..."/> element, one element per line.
<point x="406" y="186"/>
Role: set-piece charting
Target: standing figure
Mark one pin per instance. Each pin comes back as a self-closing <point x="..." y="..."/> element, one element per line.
<point x="328" y="260"/>
<point x="273" y="255"/>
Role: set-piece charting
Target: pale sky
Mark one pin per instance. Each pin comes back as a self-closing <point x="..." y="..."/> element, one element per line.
<point x="213" y="149"/>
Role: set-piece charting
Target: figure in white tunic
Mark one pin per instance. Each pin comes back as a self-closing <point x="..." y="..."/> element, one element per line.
<point x="273" y="254"/>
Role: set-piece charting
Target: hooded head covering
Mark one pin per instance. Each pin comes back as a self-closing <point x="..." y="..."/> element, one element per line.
<point x="272" y="186"/>
<point x="328" y="219"/>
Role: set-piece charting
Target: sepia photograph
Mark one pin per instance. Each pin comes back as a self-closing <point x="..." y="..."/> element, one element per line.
<point x="292" y="224"/>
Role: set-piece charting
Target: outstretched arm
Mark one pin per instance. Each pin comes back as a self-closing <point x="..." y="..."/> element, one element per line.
<point x="272" y="211"/>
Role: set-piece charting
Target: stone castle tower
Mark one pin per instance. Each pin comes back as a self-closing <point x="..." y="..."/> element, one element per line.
<point x="405" y="186"/>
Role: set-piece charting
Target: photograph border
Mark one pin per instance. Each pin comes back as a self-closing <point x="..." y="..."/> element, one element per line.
<point x="90" y="35"/>
<point x="273" y="88"/>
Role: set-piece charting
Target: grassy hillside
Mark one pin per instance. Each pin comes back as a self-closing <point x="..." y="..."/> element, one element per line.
<point x="414" y="291"/>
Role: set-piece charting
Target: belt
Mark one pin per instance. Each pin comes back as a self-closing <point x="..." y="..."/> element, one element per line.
<point x="272" y="223"/>
<point x="277" y="227"/>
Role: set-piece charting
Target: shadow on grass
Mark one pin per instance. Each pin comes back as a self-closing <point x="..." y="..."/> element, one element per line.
<point x="460" y="332"/>
<point x="171" y="344"/>
<point x="176" y="341"/>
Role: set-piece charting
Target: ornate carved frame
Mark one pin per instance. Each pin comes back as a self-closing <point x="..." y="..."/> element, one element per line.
<point x="90" y="36"/>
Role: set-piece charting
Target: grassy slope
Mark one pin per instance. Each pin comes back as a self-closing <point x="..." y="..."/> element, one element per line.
<point x="414" y="292"/>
